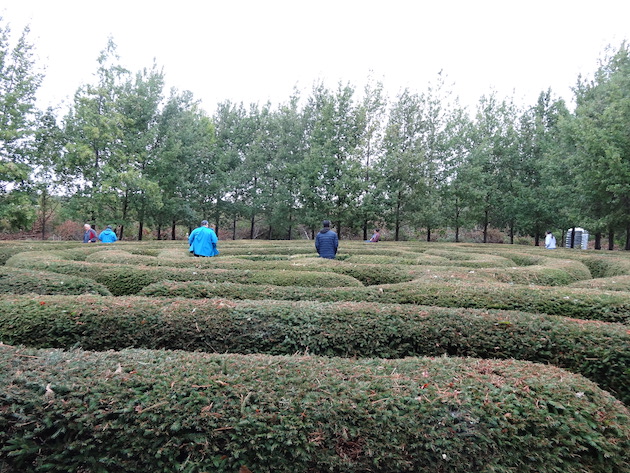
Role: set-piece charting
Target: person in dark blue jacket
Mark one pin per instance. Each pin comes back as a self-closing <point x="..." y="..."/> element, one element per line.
<point x="108" y="235"/>
<point x="326" y="242"/>
<point x="203" y="241"/>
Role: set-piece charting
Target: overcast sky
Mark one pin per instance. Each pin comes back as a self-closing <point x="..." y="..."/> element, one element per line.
<point x="258" y="50"/>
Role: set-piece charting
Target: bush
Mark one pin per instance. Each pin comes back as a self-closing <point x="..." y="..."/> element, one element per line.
<point x="163" y="411"/>
<point x="599" y="351"/>
<point x="577" y="303"/>
<point x="23" y="281"/>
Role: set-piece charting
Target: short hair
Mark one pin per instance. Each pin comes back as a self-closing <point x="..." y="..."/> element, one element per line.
<point x="204" y="222"/>
<point x="326" y="223"/>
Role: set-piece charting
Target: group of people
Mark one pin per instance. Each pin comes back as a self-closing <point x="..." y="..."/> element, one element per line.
<point x="203" y="240"/>
<point x="106" y="236"/>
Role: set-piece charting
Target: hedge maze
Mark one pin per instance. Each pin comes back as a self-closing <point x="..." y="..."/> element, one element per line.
<point x="396" y="357"/>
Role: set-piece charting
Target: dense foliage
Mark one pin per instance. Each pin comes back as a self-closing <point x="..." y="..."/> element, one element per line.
<point x="125" y="153"/>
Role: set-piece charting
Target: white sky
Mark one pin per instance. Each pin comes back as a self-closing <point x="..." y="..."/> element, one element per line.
<point x="258" y="50"/>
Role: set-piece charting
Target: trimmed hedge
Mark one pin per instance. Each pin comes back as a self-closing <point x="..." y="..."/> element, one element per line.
<point x="612" y="283"/>
<point x="24" y="281"/>
<point x="163" y="411"/>
<point x="598" y="351"/>
<point x="123" y="280"/>
<point x="577" y="303"/>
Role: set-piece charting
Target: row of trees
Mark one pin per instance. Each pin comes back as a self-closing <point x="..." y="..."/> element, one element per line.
<point x="126" y="152"/>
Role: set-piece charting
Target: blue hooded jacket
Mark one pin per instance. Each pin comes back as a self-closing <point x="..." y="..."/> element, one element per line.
<point x="203" y="242"/>
<point x="108" y="236"/>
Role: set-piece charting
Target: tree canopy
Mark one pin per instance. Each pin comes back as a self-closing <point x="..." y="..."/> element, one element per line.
<point x="130" y="154"/>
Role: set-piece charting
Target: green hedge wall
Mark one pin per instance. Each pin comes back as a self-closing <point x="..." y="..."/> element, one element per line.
<point x="597" y="350"/>
<point x="164" y="411"/>
<point x="122" y="279"/>
<point x="578" y="303"/>
<point x="24" y="281"/>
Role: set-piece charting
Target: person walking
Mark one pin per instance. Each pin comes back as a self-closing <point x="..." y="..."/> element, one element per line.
<point x="89" y="236"/>
<point x="108" y="235"/>
<point x="550" y="241"/>
<point x="203" y="241"/>
<point x="326" y="242"/>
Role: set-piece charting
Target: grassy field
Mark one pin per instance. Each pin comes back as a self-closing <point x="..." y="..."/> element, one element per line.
<point x="396" y="356"/>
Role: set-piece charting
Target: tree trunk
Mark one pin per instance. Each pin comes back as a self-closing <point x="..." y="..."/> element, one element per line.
<point x="485" y="226"/>
<point x="397" y="232"/>
<point x="140" y="228"/>
<point x="457" y="212"/>
<point x="611" y="240"/>
<point x="124" y="214"/>
<point x="173" y="233"/>
<point x="572" y="243"/>
<point x="627" y="237"/>
<point x="598" y="240"/>
<point x="428" y="233"/>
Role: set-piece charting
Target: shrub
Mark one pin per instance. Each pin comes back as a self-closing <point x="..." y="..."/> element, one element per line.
<point x="596" y="350"/>
<point x="577" y="303"/>
<point x="22" y="281"/>
<point x="613" y="283"/>
<point x="163" y="411"/>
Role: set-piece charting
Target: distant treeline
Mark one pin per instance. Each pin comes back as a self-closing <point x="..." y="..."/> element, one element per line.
<point x="127" y="153"/>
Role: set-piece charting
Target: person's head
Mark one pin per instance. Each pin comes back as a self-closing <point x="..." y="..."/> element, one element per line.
<point x="204" y="223"/>
<point x="548" y="232"/>
<point x="87" y="226"/>
<point x="377" y="230"/>
<point x="109" y="227"/>
<point x="326" y="223"/>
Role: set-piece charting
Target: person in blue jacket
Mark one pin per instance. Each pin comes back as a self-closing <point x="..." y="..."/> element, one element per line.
<point x="326" y="242"/>
<point x="108" y="235"/>
<point x="203" y="241"/>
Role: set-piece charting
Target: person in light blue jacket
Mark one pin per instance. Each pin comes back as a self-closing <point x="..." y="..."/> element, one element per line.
<point x="203" y="241"/>
<point x="108" y="235"/>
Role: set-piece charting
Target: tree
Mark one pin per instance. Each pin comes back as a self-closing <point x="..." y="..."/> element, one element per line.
<point x="459" y="175"/>
<point x="331" y="184"/>
<point x="540" y="178"/>
<point x="139" y="104"/>
<point x="19" y="82"/>
<point x="494" y="154"/>
<point x="48" y="151"/>
<point x="94" y="130"/>
<point x="602" y="143"/>
<point x="185" y="137"/>
<point x="400" y="171"/>
<point x="374" y="111"/>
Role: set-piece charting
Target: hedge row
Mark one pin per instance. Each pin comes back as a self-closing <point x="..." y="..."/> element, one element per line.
<point x="577" y="303"/>
<point x="24" y="281"/>
<point x="368" y="274"/>
<point x="164" y="411"/>
<point x="613" y="283"/>
<point x="122" y="279"/>
<point x="598" y="351"/>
